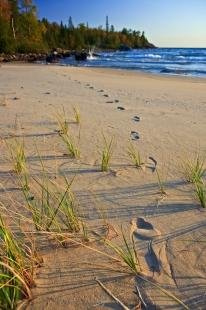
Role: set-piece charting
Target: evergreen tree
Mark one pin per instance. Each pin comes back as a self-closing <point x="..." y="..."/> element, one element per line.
<point x="107" y="24"/>
<point x="71" y="25"/>
<point x="21" y="31"/>
<point x="112" y="28"/>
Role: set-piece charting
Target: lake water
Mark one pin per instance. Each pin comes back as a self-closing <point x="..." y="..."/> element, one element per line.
<point x="169" y="61"/>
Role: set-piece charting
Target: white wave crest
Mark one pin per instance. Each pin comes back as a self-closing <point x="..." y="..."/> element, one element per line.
<point x="153" y="56"/>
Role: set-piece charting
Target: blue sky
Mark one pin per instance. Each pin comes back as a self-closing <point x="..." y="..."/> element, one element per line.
<point x="167" y="23"/>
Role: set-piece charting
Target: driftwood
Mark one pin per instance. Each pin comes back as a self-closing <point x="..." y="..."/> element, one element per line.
<point x="111" y="295"/>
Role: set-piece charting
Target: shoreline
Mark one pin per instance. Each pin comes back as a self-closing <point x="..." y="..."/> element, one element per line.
<point x="130" y="72"/>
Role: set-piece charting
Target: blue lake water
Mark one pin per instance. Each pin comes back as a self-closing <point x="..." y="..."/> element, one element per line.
<point x="169" y="61"/>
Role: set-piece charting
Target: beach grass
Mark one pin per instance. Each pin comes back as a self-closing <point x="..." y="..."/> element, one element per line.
<point x="77" y="115"/>
<point x="16" y="268"/>
<point x="160" y="182"/>
<point x="106" y="154"/>
<point x="68" y="209"/>
<point x="71" y="146"/>
<point x="66" y="136"/>
<point x="12" y="287"/>
<point x="135" y="156"/>
<point x="194" y="170"/>
<point x="18" y="157"/>
<point x="52" y="208"/>
<point x="200" y="193"/>
<point x="126" y="253"/>
<point x="62" y="122"/>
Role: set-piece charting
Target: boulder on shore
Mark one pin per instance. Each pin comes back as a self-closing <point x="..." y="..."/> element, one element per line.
<point x="124" y="48"/>
<point x="80" y="56"/>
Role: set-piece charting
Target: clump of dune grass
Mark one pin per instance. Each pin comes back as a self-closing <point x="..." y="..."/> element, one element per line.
<point x="127" y="253"/>
<point x="52" y="208"/>
<point x="16" y="268"/>
<point x="66" y="136"/>
<point x="135" y="156"/>
<point x="12" y="287"/>
<point x="85" y="232"/>
<point x="77" y="115"/>
<point x="200" y="193"/>
<point x="107" y="154"/>
<point x="160" y="181"/>
<point x="194" y="170"/>
<point x="72" y="148"/>
<point x="161" y="185"/>
<point x="18" y="157"/>
<point x="68" y="209"/>
<point x="62" y="122"/>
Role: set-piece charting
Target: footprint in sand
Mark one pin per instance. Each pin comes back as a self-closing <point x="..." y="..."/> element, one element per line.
<point x="144" y="230"/>
<point x="105" y="95"/>
<point x="3" y="102"/>
<point x="134" y="135"/>
<point x="152" y="259"/>
<point x="136" y="118"/>
<point x="110" y="101"/>
<point x="91" y="87"/>
<point x="120" y="108"/>
<point x="116" y="100"/>
<point x="101" y="91"/>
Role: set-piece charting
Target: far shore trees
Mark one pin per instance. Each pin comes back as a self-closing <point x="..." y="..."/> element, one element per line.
<point x="21" y="31"/>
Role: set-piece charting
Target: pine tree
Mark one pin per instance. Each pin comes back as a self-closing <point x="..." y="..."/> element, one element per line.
<point x="112" y="28"/>
<point x="71" y="25"/>
<point x="21" y="31"/>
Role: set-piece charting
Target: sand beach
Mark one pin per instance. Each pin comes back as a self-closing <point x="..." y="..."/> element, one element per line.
<point x="163" y="118"/>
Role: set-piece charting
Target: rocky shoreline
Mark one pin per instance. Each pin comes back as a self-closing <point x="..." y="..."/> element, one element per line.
<point x="52" y="57"/>
<point x="34" y="57"/>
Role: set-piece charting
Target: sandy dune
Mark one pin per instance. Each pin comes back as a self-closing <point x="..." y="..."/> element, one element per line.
<point x="164" y="117"/>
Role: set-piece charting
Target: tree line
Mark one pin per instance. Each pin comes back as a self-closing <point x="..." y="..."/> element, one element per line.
<point x="22" y="32"/>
